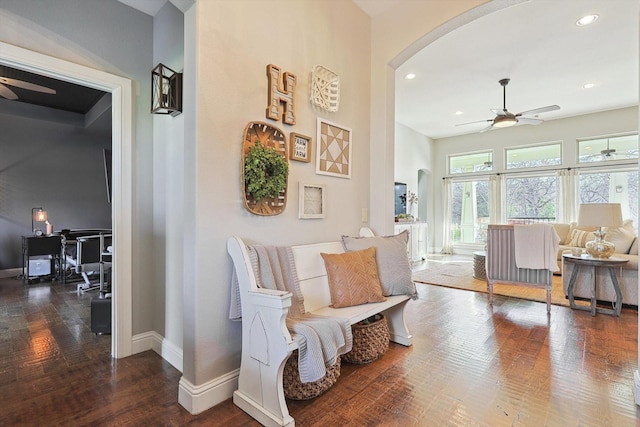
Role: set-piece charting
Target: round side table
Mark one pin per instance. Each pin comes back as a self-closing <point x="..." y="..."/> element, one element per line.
<point x="588" y="261"/>
<point x="479" y="269"/>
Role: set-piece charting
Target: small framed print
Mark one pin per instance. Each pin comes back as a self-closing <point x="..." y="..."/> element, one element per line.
<point x="300" y="147"/>
<point x="311" y="201"/>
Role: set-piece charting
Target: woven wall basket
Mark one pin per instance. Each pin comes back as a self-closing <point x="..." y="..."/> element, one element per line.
<point x="370" y="340"/>
<point x="271" y="137"/>
<point x="296" y="390"/>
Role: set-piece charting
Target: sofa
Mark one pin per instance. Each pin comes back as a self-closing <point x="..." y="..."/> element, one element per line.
<point x="626" y="242"/>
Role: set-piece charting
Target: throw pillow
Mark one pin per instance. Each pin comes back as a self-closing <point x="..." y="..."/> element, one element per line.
<point x="353" y="278"/>
<point x="580" y="237"/>
<point x="393" y="261"/>
<point x="634" y="247"/>
<point x="563" y="232"/>
<point x="621" y="237"/>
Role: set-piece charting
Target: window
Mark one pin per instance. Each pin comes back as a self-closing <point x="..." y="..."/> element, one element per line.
<point x="469" y="211"/>
<point x="616" y="148"/>
<point x="611" y="187"/>
<point x="534" y="156"/>
<point x="531" y="199"/>
<point x="468" y="163"/>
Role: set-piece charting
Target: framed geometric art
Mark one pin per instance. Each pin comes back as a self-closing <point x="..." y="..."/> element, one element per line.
<point x="333" y="152"/>
<point x="300" y="147"/>
<point x="311" y="201"/>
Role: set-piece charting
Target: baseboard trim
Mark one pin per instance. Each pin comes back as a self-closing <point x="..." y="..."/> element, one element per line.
<point x="10" y="272"/>
<point x="156" y="342"/>
<point x="197" y="399"/>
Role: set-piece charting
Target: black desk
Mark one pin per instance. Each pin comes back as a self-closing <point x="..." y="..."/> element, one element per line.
<point x="40" y="246"/>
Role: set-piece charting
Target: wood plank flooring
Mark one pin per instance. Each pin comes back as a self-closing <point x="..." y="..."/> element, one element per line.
<point x="471" y="365"/>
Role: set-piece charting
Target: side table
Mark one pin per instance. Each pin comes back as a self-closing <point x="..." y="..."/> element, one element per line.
<point x="588" y="261"/>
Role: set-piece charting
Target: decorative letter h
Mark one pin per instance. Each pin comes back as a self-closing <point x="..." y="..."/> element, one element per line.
<point x="281" y="91"/>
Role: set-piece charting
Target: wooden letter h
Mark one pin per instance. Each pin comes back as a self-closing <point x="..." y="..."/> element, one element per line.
<point x="281" y="91"/>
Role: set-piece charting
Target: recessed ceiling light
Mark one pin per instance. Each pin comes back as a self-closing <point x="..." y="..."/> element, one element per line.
<point x="410" y="76"/>
<point x="586" y="20"/>
<point x="588" y="85"/>
<point x="459" y="113"/>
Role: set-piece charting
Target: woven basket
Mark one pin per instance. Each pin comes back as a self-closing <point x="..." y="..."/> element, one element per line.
<point x="296" y="390"/>
<point x="370" y="340"/>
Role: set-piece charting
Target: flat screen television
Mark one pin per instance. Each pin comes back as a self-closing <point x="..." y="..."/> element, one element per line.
<point x="400" y="190"/>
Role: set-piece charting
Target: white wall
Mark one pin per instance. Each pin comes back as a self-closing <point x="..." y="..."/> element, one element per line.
<point x="168" y="193"/>
<point x="233" y="52"/>
<point x="414" y="153"/>
<point x="567" y="130"/>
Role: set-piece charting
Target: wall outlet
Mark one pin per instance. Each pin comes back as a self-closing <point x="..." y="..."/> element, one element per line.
<point x="365" y="215"/>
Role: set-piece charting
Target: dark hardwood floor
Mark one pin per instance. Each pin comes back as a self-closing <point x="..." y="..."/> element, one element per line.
<point x="470" y="365"/>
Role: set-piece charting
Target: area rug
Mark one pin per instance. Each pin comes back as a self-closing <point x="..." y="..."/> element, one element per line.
<point x="459" y="275"/>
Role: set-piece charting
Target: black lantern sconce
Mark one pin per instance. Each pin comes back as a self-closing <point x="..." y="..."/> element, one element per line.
<point x="166" y="91"/>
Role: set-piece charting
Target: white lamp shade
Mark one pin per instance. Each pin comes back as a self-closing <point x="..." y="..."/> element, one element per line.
<point x="600" y="215"/>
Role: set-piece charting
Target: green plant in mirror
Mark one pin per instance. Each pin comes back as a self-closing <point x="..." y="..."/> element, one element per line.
<point x="265" y="172"/>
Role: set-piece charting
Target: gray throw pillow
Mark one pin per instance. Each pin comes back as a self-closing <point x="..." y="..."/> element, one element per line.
<point x="393" y="263"/>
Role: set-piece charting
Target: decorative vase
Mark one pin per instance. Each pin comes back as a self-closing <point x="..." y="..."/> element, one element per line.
<point x="600" y="248"/>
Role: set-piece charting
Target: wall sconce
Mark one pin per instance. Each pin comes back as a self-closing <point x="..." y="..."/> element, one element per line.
<point x="37" y="215"/>
<point x="166" y="91"/>
<point x="618" y="188"/>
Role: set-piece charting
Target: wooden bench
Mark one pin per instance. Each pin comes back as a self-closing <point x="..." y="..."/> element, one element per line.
<point x="266" y="342"/>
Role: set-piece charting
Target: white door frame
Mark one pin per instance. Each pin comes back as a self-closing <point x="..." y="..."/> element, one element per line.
<point x="121" y="202"/>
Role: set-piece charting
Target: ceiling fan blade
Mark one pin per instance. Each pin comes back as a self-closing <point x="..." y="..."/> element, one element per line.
<point x="478" y="121"/>
<point x="539" y="110"/>
<point x="499" y="112"/>
<point x="529" y="121"/>
<point x="490" y="127"/>
<point x="25" y="85"/>
<point x="5" y="92"/>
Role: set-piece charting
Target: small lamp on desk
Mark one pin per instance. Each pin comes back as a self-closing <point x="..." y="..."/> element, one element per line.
<point x="600" y="215"/>
<point x="37" y="215"/>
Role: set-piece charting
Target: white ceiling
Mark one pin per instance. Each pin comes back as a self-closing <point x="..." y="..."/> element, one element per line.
<point x="538" y="46"/>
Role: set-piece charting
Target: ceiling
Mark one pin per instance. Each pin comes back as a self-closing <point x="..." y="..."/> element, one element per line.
<point x="538" y="46"/>
<point x="68" y="96"/>
<point x="535" y="43"/>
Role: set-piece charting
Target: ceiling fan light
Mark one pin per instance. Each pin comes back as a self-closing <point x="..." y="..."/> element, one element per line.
<point x="504" y="121"/>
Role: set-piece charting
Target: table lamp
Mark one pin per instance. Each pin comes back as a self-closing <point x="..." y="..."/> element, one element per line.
<point x="600" y="215"/>
<point x="37" y="215"/>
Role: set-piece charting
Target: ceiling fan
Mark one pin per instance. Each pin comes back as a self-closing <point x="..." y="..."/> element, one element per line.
<point x="504" y="118"/>
<point x="607" y="153"/>
<point x="7" y="93"/>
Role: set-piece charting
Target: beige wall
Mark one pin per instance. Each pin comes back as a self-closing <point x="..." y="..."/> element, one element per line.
<point x="236" y="40"/>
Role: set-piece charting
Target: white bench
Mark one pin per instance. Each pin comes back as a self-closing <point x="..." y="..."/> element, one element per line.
<point x="266" y="342"/>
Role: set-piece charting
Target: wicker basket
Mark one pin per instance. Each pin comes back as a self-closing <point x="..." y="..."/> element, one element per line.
<point x="296" y="390"/>
<point x="370" y="340"/>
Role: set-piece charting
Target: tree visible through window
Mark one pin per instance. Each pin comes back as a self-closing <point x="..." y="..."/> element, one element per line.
<point x="532" y="199"/>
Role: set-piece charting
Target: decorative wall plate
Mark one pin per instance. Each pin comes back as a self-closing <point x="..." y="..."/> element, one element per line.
<point x="271" y="137"/>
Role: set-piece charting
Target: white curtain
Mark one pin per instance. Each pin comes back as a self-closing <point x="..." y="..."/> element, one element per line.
<point x="568" y="196"/>
<point x="496" y="190"/>
<point x="447" y="246"/>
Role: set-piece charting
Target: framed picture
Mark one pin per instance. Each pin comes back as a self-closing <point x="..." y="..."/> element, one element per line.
<point x="333" y="149"/>
<point x="311" y="201"/>
<point x="300" y="147"/>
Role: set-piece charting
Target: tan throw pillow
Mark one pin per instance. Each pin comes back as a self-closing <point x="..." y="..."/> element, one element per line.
<point x="353" y="278"/>
<point x="579" y="238"/>
<point x="393" y="263"/>
<point x="563" y="232"/>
